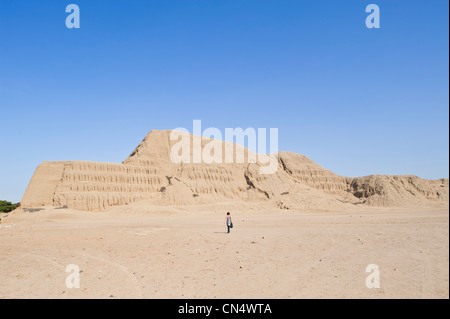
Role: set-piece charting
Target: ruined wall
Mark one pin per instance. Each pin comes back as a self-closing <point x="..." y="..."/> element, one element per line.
<point x="42" y="187"/>
<point x="149" y="174"/>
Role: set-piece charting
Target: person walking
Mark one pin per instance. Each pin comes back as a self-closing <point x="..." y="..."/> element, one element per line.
<point x="228" y="222"/>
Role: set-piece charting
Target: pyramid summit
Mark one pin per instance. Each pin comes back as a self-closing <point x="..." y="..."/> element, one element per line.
<point x="151" y="175"/>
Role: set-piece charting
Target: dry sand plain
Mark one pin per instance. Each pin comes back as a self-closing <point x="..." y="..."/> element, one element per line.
<point x="182" y="252"/>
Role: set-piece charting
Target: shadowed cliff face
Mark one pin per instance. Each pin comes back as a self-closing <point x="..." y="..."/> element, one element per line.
<point x="149" y="174"/>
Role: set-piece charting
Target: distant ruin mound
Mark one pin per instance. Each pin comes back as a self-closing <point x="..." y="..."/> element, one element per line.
<point x="150" y="174"/>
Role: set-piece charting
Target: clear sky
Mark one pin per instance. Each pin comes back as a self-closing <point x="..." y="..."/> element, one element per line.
<point x="357" y="101"/>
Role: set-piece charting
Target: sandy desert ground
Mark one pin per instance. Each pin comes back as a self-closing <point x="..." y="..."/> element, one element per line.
<point x="181" y="252"/>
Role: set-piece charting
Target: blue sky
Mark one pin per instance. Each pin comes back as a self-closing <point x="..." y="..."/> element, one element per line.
<point x="357" y="101"/>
